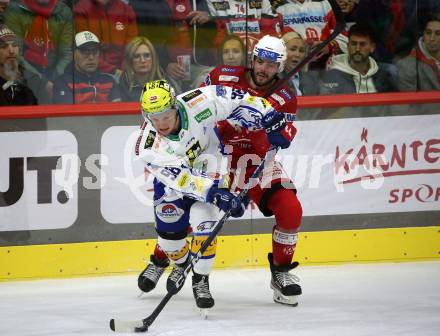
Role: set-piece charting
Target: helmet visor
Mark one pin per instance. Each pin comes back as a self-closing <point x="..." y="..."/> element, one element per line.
<point x="160" y="114"/>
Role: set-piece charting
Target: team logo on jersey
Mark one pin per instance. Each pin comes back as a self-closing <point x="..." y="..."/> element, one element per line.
<point x="312" y="34"/>
<point x="206" y="226"/>
<point x="150" y="140"/>
<point x="169" y="213"/>
<point x="186" y="98"/>
<point x="205" y="114"/>
<point x="247" y="117"/>
<point x="221" y="6"/>
<point x="180" y="8"/>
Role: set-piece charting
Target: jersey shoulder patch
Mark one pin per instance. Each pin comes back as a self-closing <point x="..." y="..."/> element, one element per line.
<point x="191" y="95"/>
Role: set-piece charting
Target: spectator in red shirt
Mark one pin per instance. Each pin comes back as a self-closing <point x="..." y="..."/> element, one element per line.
<point x="114" y="23"/>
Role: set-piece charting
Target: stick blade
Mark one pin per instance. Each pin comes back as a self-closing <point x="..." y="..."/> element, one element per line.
<point x="127" y="326"/>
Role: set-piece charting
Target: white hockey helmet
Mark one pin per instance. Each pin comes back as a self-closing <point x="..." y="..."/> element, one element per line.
<point x="271" y="48"/>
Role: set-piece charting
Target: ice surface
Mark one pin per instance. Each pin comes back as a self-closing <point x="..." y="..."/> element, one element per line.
<point x="361" y="299"/>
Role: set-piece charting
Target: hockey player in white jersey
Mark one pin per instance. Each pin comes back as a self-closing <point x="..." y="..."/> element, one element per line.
<point x="180" y="148"/>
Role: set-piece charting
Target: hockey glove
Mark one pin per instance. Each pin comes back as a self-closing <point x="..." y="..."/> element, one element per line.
<point x="279" y="132"/>
<point x="225" y="200"/>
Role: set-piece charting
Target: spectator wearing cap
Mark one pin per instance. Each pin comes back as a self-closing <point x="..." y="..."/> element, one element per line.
<point x="83" y="82"/>
<point x="13" y="89"/>
<point x="44" y="31"/>
<point x="420" y="70"/>
<point x="357" y="71"/>
<point x="3" y="5"/>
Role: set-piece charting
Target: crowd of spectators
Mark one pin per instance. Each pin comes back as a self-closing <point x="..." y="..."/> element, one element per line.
<point x="78" y="51"/>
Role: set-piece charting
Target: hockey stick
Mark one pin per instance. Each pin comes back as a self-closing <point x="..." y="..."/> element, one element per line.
<point x="143" y="325"/>
<point x="340" y="24"/>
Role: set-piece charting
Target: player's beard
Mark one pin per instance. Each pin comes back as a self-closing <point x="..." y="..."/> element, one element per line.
<point x="261" y="83"/>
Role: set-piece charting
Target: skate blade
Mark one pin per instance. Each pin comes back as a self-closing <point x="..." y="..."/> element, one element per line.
<point x="204" y="313"/>
<point x="286" y="300"/>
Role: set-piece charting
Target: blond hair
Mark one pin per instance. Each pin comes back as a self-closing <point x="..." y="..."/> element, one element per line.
<point x="135" y="43"/>
<point x="294" y="35"/>
<point x="290" y="36"/>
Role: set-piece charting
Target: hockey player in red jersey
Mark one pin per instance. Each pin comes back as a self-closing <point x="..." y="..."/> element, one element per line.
<point x="275" y="194"/>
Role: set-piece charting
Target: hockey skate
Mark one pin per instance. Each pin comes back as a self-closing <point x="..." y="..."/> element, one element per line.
<point x="149" y="277"/>
<point x="285" y="285"/>
<point x="202" y="295"/>
<point x="174" y="281"/>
